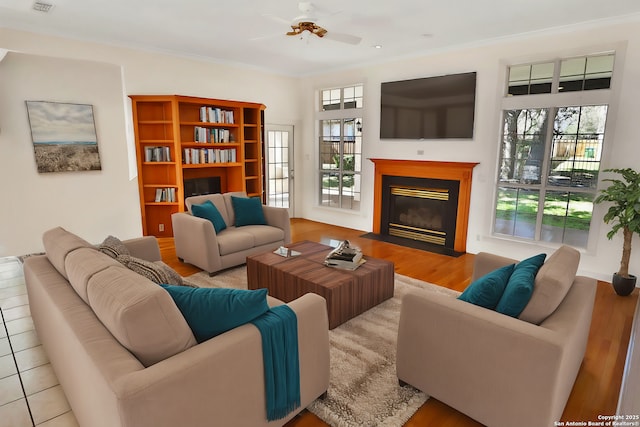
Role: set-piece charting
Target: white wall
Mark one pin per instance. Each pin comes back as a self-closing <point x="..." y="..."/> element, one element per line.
<point x="93" y="203"/>
<point x="489" y="61"/>
<point x="106" y="202"/>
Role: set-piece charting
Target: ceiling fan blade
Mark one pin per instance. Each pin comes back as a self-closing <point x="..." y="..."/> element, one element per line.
<point x="266" y="37"/>
<point x="277" y="19"/>
<point x="343" y="38"/>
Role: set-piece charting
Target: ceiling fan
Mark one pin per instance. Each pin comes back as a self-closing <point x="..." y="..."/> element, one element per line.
<point x="308" y="22"/>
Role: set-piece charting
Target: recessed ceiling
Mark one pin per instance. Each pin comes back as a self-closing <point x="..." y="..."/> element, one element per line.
<point x="253" y="32"/>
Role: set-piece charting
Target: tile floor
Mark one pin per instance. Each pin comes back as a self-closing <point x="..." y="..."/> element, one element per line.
<point x="29" y="391"/>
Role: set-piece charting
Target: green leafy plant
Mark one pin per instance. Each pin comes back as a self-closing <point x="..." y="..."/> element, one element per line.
<point x="624" y="213"/>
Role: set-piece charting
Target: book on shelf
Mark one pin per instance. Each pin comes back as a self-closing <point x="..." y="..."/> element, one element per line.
<point x="157" y="154"/>
<point x="215" y="115"/>
<point x="194" y="156"/>
<point x="165" y="194"/>
<point x="206" y="135"/>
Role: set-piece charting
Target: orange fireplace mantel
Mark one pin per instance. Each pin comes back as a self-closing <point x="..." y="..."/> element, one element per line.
<point x="455" y="171"/>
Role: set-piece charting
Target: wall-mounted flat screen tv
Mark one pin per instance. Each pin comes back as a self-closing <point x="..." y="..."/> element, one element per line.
<point x="428" y="108"/>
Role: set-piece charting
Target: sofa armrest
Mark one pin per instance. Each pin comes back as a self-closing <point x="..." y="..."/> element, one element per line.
<point x="144" y="247"/>
<point x="497" y="369"/>
<point x="196" y="241"/>
<point x="485" y="262"/>
<point x="278" y="217"/>
<point x="221" y="381"/>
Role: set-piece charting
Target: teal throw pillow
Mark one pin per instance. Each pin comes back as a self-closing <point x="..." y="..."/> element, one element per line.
<point x="208" y="210"/>
<point x="248" y="211"/>
<point x="520" y="287"/>
<point x="487" y="290"/>
<point x="212" y="311"/>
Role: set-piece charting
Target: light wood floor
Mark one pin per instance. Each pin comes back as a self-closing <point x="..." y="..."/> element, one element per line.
<point x="598" y="383"/>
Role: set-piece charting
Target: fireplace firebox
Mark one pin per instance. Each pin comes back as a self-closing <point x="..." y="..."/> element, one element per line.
<point x="420" y="209"/>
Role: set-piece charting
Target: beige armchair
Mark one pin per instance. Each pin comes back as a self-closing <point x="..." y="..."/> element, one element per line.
<point x="198" y="243"/>
<point x="500" y="370"/>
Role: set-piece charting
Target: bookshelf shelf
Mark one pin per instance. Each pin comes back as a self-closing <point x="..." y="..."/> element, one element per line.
<point x="210" y="124"/>
<point x="156" y="142"/>
<point x="212" y="165"/>
<point x="186" y="130"/>
<point x="221" y="145"/>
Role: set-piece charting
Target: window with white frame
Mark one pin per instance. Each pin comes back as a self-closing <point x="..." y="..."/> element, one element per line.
<point x="340" y="146"/>
<point x="554" y="116"/>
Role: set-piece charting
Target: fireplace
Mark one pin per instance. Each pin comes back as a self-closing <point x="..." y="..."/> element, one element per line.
<point x="423" y="204"/>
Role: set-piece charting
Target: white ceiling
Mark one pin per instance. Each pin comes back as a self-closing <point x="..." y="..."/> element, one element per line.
<point x="252" y="31"/>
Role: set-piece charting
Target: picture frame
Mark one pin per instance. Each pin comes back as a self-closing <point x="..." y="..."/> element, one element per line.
<point x="64" y="136"/>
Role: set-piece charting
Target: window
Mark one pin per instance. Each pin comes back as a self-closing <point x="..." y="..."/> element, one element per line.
<point x="340" y="147"/>
<point x="551" y="148"/>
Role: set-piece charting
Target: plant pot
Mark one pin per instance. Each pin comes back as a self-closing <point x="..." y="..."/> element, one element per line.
<point x="623" y="285"/>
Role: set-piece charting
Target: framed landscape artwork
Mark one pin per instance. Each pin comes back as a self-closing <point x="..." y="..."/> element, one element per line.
<point x="64" y="136"/>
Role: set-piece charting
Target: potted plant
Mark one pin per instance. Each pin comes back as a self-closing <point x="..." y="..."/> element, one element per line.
<point x="624" y="214"/>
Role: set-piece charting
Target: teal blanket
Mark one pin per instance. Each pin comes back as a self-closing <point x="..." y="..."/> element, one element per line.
<point x="279" y="330"/>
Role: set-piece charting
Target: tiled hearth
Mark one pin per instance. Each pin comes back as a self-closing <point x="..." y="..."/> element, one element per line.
<point x="30" y="394"/>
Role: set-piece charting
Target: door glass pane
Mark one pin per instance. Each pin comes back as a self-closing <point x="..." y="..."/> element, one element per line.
<point x="278" y="168"/>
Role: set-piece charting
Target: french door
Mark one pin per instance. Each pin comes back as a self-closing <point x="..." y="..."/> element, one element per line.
<point x="279" y="166"/>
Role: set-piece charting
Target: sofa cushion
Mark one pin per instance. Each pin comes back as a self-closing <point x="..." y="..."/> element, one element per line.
<point x="158" y="272"/>
<point x="213" y="311"/>
<point x="113" y="247"/>
<point x="520" y="286"/>
<point x="248" y="211"/>
<point x="552" y="283"/>
<point x="208" y="210"/>
<point x="234" y="240"/>
<point x="58" y="243"/>
<point x="82" y="264"/>
<point x="139" y="314"/>
<point x="264" y="234"/>
<point x="487" y="290"/>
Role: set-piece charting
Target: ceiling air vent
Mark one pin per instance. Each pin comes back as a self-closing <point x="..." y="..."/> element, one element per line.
<point x="42" y="7"/>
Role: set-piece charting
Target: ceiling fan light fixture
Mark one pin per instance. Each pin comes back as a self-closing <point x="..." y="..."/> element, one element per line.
<point x="303" y="26"/>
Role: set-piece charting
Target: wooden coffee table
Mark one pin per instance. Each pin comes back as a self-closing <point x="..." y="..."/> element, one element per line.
<point x="348" y="293"/>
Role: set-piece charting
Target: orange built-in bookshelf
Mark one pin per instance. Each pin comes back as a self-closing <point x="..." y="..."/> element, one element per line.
<point x="180" y="138"/>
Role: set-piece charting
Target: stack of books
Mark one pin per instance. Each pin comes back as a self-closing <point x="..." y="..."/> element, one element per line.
<point x="344" y="256"/>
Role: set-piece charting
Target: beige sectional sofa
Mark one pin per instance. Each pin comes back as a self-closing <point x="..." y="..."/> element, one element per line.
<point x="500" y="370"/>
<point x="125" y="356"/>
<point x="198" y="243"/>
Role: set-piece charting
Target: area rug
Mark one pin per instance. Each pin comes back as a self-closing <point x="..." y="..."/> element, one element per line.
<point x="363" y="387"/>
